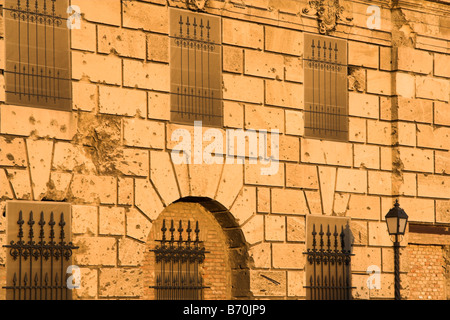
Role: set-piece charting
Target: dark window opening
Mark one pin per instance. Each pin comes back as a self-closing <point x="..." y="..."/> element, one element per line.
<point x="37" y="54"/>
<point x="195" y="66"/>
<point x="328" y="259"/>
<point x="326" y="110"/>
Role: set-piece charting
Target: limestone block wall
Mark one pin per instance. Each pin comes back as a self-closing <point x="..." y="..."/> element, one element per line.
<point x="110" y="156"/>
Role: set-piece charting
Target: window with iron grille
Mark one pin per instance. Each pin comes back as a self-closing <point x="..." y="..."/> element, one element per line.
<point x="328" y="258"/>
<point x="178" y="258"/>
<point x="325" y="65"/>
<point x="39" y="251"/>
<point x="196" y="68"/>
<point x="37" y="71"/>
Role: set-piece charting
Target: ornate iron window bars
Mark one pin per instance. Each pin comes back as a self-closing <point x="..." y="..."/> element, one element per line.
<point x="178" y="277"/>
<point x="328" y="266"/>
<point x="196" y="78"/>
<point x="37" y="54"/>
<point x="39" y="267"/>
<point x="326" y="111"/>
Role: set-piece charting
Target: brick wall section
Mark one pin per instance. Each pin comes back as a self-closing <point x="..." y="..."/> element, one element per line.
<point x="424" y="247"/>
<point x="215" y="270"/>
<point x="427" y="273"/>
<point x="110" y="156"/>
<point x="447" y="271"/>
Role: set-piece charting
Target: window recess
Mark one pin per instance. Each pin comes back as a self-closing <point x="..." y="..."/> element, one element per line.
<point x="195" y="68"/>
<point x="39" y="250"/>
<point x="37" y="71"/>
<point x="326" y="94"/>
<point x="328" y="258"/>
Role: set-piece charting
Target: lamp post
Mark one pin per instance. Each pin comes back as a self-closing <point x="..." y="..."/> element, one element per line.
<point x="396" y="221"/>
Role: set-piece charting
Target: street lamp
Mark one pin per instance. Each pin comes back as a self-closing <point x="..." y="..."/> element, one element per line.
<point x="396" y="221"/>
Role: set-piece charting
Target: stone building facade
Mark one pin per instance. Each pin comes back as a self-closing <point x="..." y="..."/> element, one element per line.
<point x="110" y="156"/>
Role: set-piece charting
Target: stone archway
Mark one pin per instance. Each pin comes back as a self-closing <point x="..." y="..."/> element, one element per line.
<point x="225" y="270"/>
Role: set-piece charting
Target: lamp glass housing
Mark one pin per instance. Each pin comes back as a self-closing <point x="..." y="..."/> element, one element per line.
<point x="402" y="225"/>
<point x="396" y="220"/>
<point x="392" y="225"/>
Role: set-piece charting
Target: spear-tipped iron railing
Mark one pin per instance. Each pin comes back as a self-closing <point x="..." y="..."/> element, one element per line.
<point x="39" y="267"/>
<point x="178" y="276"/>
<point x="329" y="262"/>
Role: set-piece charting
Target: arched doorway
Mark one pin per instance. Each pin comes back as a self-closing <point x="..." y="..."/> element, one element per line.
<point x="221" y="274"/>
